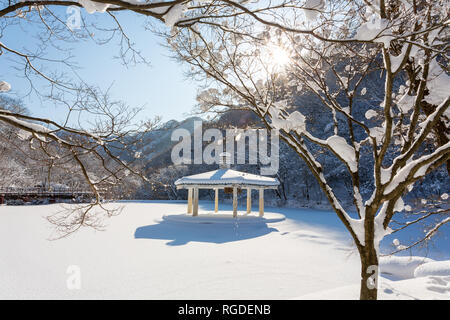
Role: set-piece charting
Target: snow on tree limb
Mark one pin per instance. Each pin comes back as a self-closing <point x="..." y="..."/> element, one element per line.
<point x="417" y="168"/>
<point x="4" y="86"/>
<point x="344" y="151"/>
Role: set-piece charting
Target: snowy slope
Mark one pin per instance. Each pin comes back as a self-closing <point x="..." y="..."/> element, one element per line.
<point x="428" y="288"/>
<point x="142" y="256"/>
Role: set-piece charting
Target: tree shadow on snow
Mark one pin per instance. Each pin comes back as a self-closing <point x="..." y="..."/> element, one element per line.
<point x="183" y="233"/>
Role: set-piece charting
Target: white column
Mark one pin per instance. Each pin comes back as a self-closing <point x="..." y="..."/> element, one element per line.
<point x="261" y="202"/>
<point x="216" y="200"/>
<point x="249" y="200"/>
<point x="189" y="200"/>
<point x="195" y="213"/>
<point x="234" y="202"/>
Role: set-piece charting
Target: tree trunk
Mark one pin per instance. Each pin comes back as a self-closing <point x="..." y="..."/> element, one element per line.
<point x="369" y="272"/>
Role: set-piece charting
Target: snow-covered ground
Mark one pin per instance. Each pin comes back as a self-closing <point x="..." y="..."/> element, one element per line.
<point x="143" y="256"/>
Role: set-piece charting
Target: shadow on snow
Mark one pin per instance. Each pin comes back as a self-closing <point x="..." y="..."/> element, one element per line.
<point x="183" y="233"/>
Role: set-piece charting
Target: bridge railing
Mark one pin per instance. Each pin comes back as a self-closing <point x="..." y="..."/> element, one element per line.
<point x="37" y="191"/>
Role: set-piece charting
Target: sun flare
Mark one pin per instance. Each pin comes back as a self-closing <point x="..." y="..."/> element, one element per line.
<point x="279" y="56"/>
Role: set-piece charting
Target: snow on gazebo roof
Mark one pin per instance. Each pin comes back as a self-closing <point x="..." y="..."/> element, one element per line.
<point x="227" y="176"/>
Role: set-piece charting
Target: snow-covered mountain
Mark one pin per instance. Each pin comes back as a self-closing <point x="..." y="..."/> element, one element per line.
<point x="158" y="143"/>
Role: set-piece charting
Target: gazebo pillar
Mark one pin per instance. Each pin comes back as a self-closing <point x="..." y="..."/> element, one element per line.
<point x="189" y="210"/>
<point x="261" y="202"/>
<point x="234" y="202"/>
<point x="195" y="213"/>
<point x="249" y="200"/>
<point x="216" y="200"/>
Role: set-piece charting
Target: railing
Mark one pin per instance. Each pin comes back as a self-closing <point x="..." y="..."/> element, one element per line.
<point x="37" y="191"/>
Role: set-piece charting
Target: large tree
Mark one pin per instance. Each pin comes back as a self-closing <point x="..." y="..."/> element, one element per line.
<point x="334" y="50"/>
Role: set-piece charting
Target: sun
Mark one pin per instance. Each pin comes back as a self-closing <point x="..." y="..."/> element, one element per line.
<point x="280" y="56"/>
<point x="274" y="58"/>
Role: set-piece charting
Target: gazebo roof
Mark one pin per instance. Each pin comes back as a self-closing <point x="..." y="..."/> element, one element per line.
<point x="223" y="177"/>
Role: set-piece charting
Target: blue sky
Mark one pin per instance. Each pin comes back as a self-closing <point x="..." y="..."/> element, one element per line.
<point x="162" y="87"/>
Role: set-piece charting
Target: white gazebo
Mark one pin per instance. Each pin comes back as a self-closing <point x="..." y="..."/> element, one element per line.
<point x="225" y="178"/>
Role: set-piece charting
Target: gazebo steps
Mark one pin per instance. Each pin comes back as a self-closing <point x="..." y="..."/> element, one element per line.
<point x="225" y="217"/>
